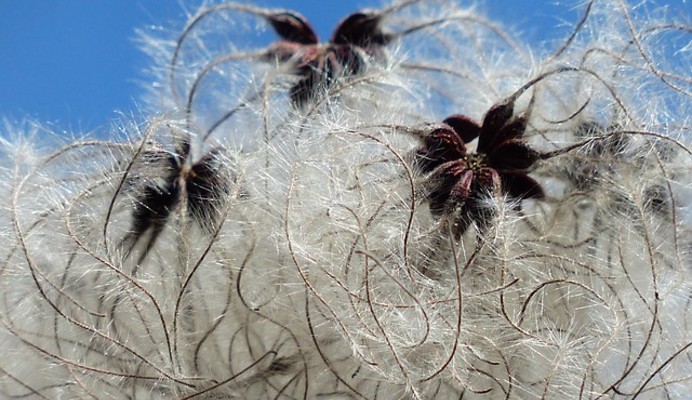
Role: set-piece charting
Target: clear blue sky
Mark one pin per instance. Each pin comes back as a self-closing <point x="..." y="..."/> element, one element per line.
<point x="73" y="62"/>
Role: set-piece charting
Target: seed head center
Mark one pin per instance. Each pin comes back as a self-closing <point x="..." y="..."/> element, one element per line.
<point x="476" y="161"/>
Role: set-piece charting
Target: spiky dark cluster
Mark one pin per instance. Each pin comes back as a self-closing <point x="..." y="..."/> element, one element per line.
<point x="318" y="65"/>
<point x="462" y="180"/>
<point x="201" y="187"/>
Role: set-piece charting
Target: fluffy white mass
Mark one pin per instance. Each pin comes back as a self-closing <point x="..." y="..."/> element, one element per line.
<point x="293" y="219"/>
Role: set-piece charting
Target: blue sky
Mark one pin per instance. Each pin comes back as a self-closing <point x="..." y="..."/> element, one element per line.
<point x="73" y="63"/>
